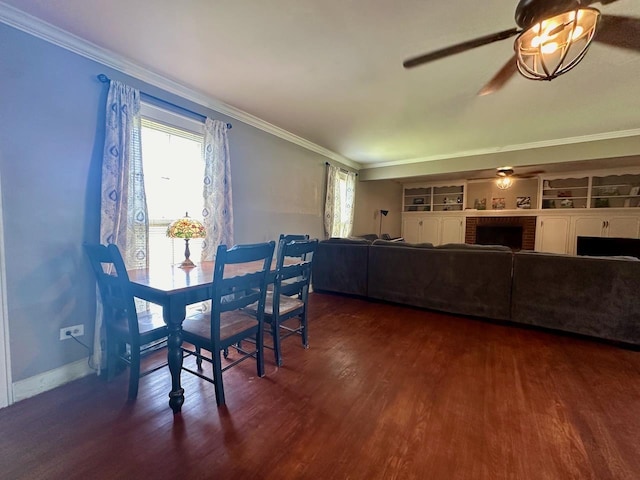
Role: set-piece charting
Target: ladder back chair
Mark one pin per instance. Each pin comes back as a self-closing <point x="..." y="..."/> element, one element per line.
<point x="290" y="294"/>
<point x="130" y="335"/>
<point x="239" y="280"/>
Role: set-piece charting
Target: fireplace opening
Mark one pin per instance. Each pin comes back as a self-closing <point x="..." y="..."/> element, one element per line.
<point x="507" y="235"/>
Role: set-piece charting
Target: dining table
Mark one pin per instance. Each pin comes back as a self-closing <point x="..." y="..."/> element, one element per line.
<point x="174" y="288"/>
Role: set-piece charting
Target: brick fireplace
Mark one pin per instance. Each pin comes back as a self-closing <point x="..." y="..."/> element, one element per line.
<point x="517" y="232"/>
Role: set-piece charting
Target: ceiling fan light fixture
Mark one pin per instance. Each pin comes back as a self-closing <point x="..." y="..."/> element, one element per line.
<point x="554" y="46"/>
<point x="504" y="182"/>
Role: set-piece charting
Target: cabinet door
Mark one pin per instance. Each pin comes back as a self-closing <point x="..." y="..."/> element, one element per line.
<point x="552" y="234"/>
<point x="623" y="226"/>
<point x="430" y="230"/>
<point x="589" y="226"/>
<point x="452" y="230"/>
<point x="411" y="228"/>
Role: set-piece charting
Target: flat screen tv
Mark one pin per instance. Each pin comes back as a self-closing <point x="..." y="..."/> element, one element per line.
<point x="608" y="247"/>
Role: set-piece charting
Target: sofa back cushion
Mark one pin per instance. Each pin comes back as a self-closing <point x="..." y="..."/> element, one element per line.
<point x="341" y="265"/>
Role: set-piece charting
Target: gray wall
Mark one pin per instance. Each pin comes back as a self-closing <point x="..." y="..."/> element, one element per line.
<point x="51" y="139"/>
<point x="373" y="196"/>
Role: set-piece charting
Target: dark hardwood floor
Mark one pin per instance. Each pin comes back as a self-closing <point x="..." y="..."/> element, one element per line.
<point x="383" y="392"/>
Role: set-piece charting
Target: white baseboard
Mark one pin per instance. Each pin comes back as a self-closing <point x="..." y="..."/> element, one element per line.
<point x="48" y="380"/>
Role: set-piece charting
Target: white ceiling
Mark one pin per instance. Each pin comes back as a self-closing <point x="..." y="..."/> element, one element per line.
<point x="331" y="72"/>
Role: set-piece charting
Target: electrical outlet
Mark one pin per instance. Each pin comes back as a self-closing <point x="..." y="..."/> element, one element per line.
<point x="75" y="330"/>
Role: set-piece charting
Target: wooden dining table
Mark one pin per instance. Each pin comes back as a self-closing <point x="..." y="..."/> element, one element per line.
<point x="174" y="288"/>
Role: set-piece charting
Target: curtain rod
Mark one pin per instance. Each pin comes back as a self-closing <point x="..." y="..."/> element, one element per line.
<point x="343" y="169"/>
<point x="104" y="79"/>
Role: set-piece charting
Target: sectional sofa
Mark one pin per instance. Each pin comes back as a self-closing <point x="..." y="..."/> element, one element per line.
<point x="594" y="296"/>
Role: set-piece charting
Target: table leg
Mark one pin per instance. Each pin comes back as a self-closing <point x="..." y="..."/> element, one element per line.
<point x="174" y="344"/>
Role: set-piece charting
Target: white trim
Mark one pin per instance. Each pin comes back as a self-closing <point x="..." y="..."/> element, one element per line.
<point x="52" y="34"/>
<point x="5" y="357"/>
<point x="42" y="382"/>
<point x="513" y="148"/>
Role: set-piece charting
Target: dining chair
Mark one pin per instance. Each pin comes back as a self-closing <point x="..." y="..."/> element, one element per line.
<point x="239" y="280"/>
<point x="290" y="294"/>
<point x="130" y="335"/>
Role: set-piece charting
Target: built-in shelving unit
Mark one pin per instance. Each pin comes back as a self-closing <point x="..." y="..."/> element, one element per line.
<point x="417" y="199"/>
<point x="591" y="191"/>
<point x="615" y="191"/>
<point x="433" y="198"/>
<point x="565" y="193"/>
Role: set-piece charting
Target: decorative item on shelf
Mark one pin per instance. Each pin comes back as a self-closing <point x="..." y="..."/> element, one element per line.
<point x="523" y="202"/>
<point x="383" y="213"/>
<point x="546" y="185"/>
<point x="186" y="228"/>
<point x="418" y="201"/>
<point x="564" y="193"/>
<point x="459" y="199"/>
<point x="601" y="203"/>
<point x="548" y="204"/>
<point x="606" y="191"/>
<point x="480" y="204"/>
<point x="634" y="191"/>
<point x="498" y="203"/>
<point x="566" y="203"/>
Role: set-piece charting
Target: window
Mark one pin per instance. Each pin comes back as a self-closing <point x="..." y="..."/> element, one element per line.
<point x="173" y="162"/>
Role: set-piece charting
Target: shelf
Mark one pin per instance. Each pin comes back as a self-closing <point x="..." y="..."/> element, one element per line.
<point x="565" y="188"/>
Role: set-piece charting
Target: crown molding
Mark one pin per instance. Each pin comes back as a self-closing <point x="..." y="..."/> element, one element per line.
<point x="52" y="34"/>
<point x="512" y="148"/>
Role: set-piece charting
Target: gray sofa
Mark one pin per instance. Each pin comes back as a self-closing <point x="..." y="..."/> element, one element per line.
<point x="593" y="296"/>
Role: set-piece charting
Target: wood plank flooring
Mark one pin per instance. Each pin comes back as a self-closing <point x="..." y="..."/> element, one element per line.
<point x="383" y="392"/>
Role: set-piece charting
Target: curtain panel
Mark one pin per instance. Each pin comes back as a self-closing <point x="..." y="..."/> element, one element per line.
<point x="217" y="214"/>
<point x="123" y="210"/>
<point x="339" y="202"/>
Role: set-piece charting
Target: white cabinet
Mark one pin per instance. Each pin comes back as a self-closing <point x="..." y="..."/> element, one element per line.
<point x="552" y="234"/>
<point x="614" y="225"/>
<point x="436" y="229"/>
<point x="451" y="229"/>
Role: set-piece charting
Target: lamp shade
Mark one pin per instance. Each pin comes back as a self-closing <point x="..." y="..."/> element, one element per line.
<point x="186" y="227"/>
<point x="555" y="45"/>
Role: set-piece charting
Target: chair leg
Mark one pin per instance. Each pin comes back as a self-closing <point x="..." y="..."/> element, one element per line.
<point x="134" y="372"/>
<point x="198" y="359"/>
<point x="275" y="334"/>
<point x="260" y="352"/>
<point x="217" y="377"/>
<point x="303" y="324"/>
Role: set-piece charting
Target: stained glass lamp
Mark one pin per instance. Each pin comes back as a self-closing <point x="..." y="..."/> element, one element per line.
<point x="187" y="228"/>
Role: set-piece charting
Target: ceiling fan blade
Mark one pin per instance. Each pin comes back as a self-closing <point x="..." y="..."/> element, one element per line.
<point x="619" y="31"/>
<point x="498" y="81"/>
<point x="532" y="174"/>
<point x="459" y="48"/>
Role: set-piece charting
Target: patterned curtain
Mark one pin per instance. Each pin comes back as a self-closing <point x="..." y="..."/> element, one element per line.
<point x="217" y="215"/>
<point x="340" y="202"/>
<point x="124" y="219"/>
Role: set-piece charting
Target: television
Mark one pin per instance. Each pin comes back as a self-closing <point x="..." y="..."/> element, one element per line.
<point x="608" y="247"/>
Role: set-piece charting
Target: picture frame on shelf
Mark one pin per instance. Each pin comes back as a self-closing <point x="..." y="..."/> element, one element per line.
<point x="498" y="203"/>
<point x="480" y="204"/>
<point x="523" y="202"/>
<point x="634" y="191"/>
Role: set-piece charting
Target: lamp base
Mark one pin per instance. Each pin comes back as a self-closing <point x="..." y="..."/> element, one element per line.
<point x="187" y="264"/>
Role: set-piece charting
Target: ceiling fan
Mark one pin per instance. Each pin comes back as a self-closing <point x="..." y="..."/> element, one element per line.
<point x="505" y="176"/>
<point x="553" y="37"/>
